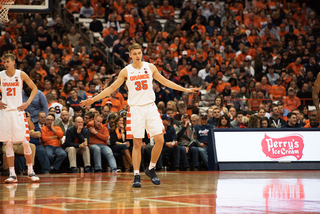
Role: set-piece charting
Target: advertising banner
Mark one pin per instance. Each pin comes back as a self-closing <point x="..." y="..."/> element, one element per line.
<point x="265" y="146"/>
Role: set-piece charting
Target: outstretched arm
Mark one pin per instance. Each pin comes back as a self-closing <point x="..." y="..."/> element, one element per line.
<point x="106" y="92"/>
<point x="315" y="92"/>
<point x="157" y="76"/>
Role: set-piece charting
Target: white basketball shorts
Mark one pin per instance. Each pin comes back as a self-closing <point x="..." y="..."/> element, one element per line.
<point x="141" y="118"/>
<point x="13" y="126"/>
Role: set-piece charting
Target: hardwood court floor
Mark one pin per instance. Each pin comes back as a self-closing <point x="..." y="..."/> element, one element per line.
<point x="180" y="192"/>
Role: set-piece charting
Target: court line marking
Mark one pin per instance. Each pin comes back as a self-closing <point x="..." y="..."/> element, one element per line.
<point x="173" y="202"/>
<point x="83" y="199"/>
<point x="93" y="209"/>
<point x="163" y="196"/>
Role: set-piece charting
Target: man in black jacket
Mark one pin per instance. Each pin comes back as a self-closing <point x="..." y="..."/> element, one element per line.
<point x="275" y="120"/>
<point x="77" y="138"/>
<point x="170" y="143"/>
<point x="292" y="121"/>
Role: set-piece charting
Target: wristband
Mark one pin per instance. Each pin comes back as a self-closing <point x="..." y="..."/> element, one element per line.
<point x="31" y="131"/>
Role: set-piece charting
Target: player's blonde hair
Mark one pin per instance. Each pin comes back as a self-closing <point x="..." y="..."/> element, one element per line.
<point x="134" y="46"/>
<point x="8" y="56"/>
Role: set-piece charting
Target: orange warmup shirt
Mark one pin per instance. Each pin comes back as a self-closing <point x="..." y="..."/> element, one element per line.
<point x="294" y="67"/>
<point x="278" y="91"/>
<point x="47" y="133"/>
<point x="101" y="137"/>
<point x="116" y="104"/>
<point x="164" y="12"/>
<point x="291" y="104"/>
<point x="74" y="6"/>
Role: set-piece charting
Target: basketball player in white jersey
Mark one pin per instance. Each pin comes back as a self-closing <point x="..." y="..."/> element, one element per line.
<point x="13" y="123"/>
<point x="143" y="113"/>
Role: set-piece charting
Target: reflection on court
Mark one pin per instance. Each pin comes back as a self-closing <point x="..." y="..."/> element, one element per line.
<point x="181" y="192"/>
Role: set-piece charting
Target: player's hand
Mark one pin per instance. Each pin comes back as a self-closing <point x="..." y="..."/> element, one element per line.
<point x="2" y="105"/>
<point x="318" y="116"/>
<point x="86" y="103"/>
<point x="192" y="90"/>
<point x="23" y="106"/>
<point x="187" y="149"/>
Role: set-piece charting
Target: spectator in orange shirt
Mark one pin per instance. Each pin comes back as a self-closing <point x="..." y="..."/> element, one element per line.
<point x="116" y="104"/>
<point x="12" y="28"/>
<point x="299" y="17"/>
<point x="262" y="21"/>
<point x="74" y="6"/>
<point x="99" y="11"/>
<point x="50" y="139"/>
<point x="20" y="55"/>
<point x="201" y="28"/>
<point x="313" y="122"/>
<point x="291" y="102"/>
<point x="262" y="4"/>
<point x="282" y="31"/>
<point x="299" y="31"/>
<point x="151" y="9"/>
<point x="264" y="85"/>
<point x="295" y="66"/>
<point x="186" y="70"/>
<point x="98" y="144"/>
<point x="165" y="10"/>
<point x="277" y="91"/>
<point x="192" y="51"/>
<point x="250" y="20"/>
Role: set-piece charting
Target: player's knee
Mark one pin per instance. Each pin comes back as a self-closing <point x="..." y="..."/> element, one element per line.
<point x="137" y="145"/>
<point x="9" y="149"/>
<point x="26" y="147"/>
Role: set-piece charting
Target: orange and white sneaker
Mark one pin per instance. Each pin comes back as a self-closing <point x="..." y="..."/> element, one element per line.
<point x="11" y="179"/>
<point x="33" y="177"/>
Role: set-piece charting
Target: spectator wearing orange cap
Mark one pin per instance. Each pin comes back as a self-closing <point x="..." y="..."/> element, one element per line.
<point x="282" y="31"/>
<point x="291" y="101"/>
<point x="170" y="24"/>
<point x="165" y="10"/>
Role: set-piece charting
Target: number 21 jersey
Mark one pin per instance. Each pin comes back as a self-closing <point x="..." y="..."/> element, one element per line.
<point x="11" y="88"/>
<point x="140" y="86"/>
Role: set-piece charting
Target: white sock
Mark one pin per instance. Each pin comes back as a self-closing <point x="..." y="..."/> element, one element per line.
<point x="30" y="168"/>
<point x="136" y="172"/>
<point x="151" y="165"/>
<point x="12" y="172"/>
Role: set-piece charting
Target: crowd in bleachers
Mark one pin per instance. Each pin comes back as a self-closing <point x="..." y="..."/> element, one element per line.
<point x="255" y="63"/>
